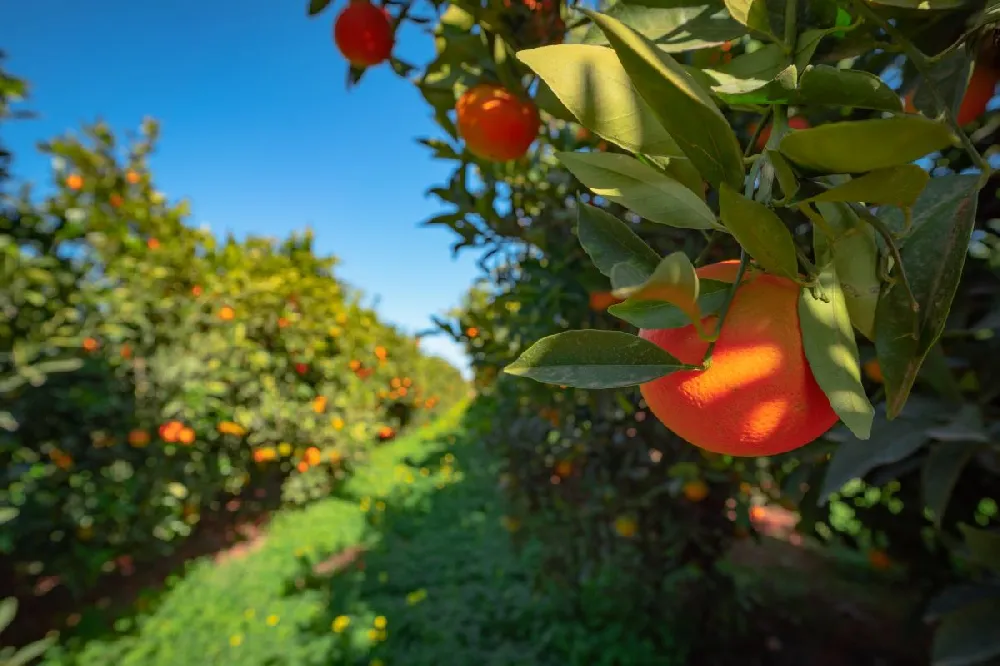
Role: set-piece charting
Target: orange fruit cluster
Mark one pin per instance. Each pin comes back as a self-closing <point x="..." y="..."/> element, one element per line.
<point x="176" y="432"/>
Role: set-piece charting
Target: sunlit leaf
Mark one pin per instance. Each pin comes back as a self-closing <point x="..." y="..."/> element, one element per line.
<point x="611" y="244"/>
<point x="761" y="233"/>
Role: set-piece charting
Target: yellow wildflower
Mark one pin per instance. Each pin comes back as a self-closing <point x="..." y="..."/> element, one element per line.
<point x="340" y="624"/>
<point x="272" y="620"/>
<point x="380" y="622"/>
<point x="235" y="640"/>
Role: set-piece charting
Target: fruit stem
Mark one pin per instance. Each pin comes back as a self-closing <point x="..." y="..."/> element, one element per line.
<point x="923" y="65"/>
<point x="706" y="362"/>
<point x="890" y="241"/>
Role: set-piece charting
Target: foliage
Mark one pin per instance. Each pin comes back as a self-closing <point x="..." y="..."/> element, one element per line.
<point x="897" y="268"/>
<point x="149" y="370"/>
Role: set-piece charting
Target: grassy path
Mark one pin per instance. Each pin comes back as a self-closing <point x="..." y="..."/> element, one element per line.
<point x="408" y="566"/>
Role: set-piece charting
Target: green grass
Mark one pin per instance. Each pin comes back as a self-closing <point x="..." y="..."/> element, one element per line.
<point x="441" y="585"/>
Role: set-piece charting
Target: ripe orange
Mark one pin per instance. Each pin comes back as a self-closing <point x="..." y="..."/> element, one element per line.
<point x="138" y="438"/>
<point x="874" y="371"/>
<point x="495" y="124"/>
<point x="879" y="560"/>
<point x="795" y="122"/>
<point x="227" y="313"/>
<point x="90" y="344"/>
<point x="131" y="177"/>
<point x="171" y="430"/>
<point x="115" y="200"/>
<point x="363" y="34"/>
<point x="472" y="331"/>
<point x="602" y="300"/>
<point x="759" y="396"/>
<point x="696" y="490"/>
<point x="186" y="436"/>
<point x="313" y="456"/>
<point x="74" y="181"/>
<point x="153" y="244"/>
<point x="381" y="353"/>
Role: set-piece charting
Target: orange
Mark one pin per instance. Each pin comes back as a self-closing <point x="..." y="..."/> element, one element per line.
<point x="472" y="331"/>
<point x="90" y="344"/>
<point x="874" y="371"/>
<point x="381" y="353"/>
<point x="363" y="34"/>
<point x="878" y="559"/>
<point x="196" y="290"/>
<point x="319" y="404"/>
<point x="758" y="397"/>
<point x="696" y="490"/>
<point x="153" y="244"/>
<point x="115" y="200"/>
<point x="170" y="431"/>
<point x="227" y="313"/>
<point x="186" y="436"/>
<point x="795" y="122"/>
<point x="74" y="181"/>
<point x="602" y="300"/>
<point x="313" y="456"/>
<point x="138" y="438"/>
<point x="496" y="124"/>
<point x="132" y="177"/>
<point x="303" y="466"/>
<point x="564" y="468"/>
<point x="282" y="322"/>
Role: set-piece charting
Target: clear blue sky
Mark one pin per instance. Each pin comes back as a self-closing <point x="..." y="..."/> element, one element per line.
<point x="258" y="129"/>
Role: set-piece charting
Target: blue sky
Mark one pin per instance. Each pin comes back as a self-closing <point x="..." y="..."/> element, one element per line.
<point x="258" y="129"/>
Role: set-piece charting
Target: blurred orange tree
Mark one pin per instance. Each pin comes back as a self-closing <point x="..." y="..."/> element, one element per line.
<point x="148" y="370"/>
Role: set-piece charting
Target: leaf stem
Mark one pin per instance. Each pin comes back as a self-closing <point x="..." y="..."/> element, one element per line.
<point x="706" y="361"/>
<point x="890" y="242"/>
<point x="923" y="65"/>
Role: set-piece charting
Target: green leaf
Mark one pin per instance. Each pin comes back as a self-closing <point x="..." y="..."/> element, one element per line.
<point x="592" y="359"/>
<point x="761" y="233"/>
<point x="8" y="609"/>
<point x="831" y="86"/>
<point x="983" y="546"/>
<point x="934" y="253"/>
<point x="855" y="256"/>
<point x="898" y="185"/>
<point x="550" y="104"/>
<point x="657" y="314"/>
<point x="940" y="473"/>
<point x="683" y="108"/>
<point x="30" y="651"/>
<point x="897" y="329"/>
<point x="967" y="426"/>
<point x="675" y="282"/>
<point x="828" y="340"/>
<point x="748" y="71"/>
<point x="968" y="636"/>
<point x="8" y="513"/>
<point x="890" y="442"/>
<point x="611" y="244"/>
<point x="949" y="77"/>
<point x="591" y="83"/>
<point x="923" y="4"/>
<point x="687" y="26"/>
<point x="857" y="146"/>
<point x="957" y="597"/>
<point x="787" y="179"/>
<point x="751" y="13"/>
<point x="316" y="6"/>
<point x="640" y="188"/>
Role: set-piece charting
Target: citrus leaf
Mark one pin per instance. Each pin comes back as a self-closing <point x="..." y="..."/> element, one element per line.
<point x="610" y="244"/>
<point x="890" y="442"/>
<point x="675" y="282"/>
<point x="983" y="546"/>
<point x="899" y="185"/>
<point x="761" y="233"/>
<point x="30" y="652"/>
<point x="687" y="26"/>
<point x="787" y="179"/>
<point x="592" y="85"/>
<point x="831" y="86"/>
<point x="751" y="13"/>
<point x="940" y="473"/>
<point x="683" y="108"/>
<point x="8" y="609"/>
<point x="968" y="636"/>
<point x="640" y="188"/>
<point x="548" y="102"/>
<point x="593" y="359"/>
<point x="949" y="77"/>
<point x="956" y="597"/>
<point x="855" y="256"/>
<point x="896" y="341"/>
<point x="857" y="146"/>
<point x="966" y="426"/>
<point x="828" y="341"/>
<point x="316" y="6"/>
<point x="657" y="314"/>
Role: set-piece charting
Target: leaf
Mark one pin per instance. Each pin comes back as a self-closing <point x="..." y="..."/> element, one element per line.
<point x="828" y="341"/>
<point x="957" y="597"/>
<point x="675" y="282"/>
<point x="857" y="146"/>
<point x="30" y="651"/>
<point x="316" y="6"/>
<point x="831" y="86"/>
<point x="940" y="473"/>
<point x="592" y="359"/>
<point x="751" y="13"/>
<point x="898" y="185"/>
<point x="640" y="188"/>
<point x="8" y="513"/>
<point x="761" y="233"/>
<point x="923" y="4"/>
<point x="686" y="26"/>
<point x="855" y="256"/>
<point x="934" y="253"/>
<point x="787" y="179"/>
<point x="657" y="314"/>
<point x="890" y="442"/>
<point x="548" y="102"/>
<point x="592" y="85"/>
<point x="949" y="77"/>
<point x="610" y="244"/>
<point x="748" y="71"/>
<point x="896" y="343"/>
<point x="983" y="545"/>
<point x="966" y="426"/>
<point x="968" y="636"/>
<point x="683" y="108"/>
<point x="8" y="609"/>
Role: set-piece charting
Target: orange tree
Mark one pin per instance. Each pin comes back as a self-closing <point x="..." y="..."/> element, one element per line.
<point x="767" y="131"/>
<point x="149" y="370"/>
